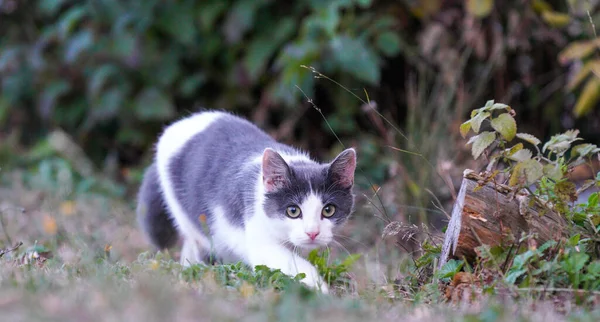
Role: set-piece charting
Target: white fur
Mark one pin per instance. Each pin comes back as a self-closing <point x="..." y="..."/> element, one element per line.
<point x="263" y="240"/>
<point x="169" y="144"/>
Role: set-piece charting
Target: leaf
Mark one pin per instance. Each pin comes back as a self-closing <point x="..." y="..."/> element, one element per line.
<point x="449" y="269"/>
<point x="464" y="128"/>
<point x="99" y="79"/>
<point x="593" y="199"/>
<point x="553" y="171"/>
<point x="478" y="119"/>
<point x="178" y="22"/>
<point x="560" y="143"/>
<point x="82" y="41"/>
<point x="69" y="19"/>
<point x="515" y="148"/>
<point x="500" y="106"/>
<point x="526" y="172"/>
<point x="521" y="155"/>
<point x="578" y="50"/>
<point x="592" y="66"/>
<point x="589" y="97"/>
<point x="529" y="138"/>
<point x="355" y="57"/>
<point x="262" y="49"/>
<point x="49" y="225"/>
<point x="389" y="43"/>
<point x="505" y="125"/>
<point x="50" y="7"/>
<point x="50" y="96"/>
<point x="584" y="150"/>
<point x="556" y="19"/>
<point x="479" y="8"/>
<point x="152" y="104"/>
<point x="512" y="275"/>
<point x="481" y="142"/>
<point x="190" y="84"/>
<point x="575" y="262"/>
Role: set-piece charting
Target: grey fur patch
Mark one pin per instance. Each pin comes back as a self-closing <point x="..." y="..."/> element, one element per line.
<point x="304" y="178"/>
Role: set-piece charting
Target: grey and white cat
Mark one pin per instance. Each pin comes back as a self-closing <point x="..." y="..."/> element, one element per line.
<point x="233" y="192"/>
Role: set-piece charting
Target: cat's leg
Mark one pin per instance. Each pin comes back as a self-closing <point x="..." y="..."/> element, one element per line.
<point x="279" y="257"/>
<point x="191" y="253"/>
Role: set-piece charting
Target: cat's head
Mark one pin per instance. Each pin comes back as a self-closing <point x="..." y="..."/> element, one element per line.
<point x="310" y="199"/>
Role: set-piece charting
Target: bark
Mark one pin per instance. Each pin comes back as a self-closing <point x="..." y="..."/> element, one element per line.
<point x="483" y="214"/>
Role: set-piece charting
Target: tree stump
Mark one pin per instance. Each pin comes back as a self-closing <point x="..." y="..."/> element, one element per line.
<point x="482" y="214"/>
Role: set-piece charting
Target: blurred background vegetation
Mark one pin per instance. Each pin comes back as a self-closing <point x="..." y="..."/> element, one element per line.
<point x="86" y="86"/>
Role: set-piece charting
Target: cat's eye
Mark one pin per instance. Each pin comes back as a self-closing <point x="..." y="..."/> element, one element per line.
<point x="293" y="211"/>
<point x="328" y="211"/>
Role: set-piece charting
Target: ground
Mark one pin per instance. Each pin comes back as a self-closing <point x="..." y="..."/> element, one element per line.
<point x="83" y="258"/>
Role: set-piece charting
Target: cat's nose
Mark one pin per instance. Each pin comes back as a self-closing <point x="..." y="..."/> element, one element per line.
<point x="313" y="235"/>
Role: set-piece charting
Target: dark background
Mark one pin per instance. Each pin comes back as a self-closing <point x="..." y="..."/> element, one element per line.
<point x="403" y="75"/>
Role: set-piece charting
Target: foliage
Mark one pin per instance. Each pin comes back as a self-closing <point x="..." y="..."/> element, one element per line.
<point x="571" y="262"/>
<point x="112" y="72"/>
<point x="334" y="274"/>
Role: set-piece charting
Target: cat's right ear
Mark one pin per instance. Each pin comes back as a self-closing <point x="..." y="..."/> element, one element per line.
<point x="275" y="171"/>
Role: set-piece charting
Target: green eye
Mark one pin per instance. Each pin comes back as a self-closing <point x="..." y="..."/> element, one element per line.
<point x="293" y="211"/>
<point x="328" y="211"/>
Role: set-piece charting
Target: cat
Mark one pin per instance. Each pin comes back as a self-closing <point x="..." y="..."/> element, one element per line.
<point x="231" y="191"/>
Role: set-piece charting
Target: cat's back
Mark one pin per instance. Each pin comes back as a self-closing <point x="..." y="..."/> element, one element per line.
<point x="213" y="128"/>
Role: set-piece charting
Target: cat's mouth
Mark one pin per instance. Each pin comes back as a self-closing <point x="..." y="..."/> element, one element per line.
<point x="312" y="244"/>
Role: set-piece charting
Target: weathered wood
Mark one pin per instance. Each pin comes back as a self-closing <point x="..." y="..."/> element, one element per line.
<point x="482" y="214"/>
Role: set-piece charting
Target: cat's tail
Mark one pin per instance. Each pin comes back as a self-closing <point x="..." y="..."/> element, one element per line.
<point x="152" y="215"/>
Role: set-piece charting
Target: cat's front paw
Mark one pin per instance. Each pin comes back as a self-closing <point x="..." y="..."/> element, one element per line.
<point x="314" y="280"/>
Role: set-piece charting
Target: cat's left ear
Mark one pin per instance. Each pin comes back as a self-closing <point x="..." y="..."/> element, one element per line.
<point x="341" y="170"/>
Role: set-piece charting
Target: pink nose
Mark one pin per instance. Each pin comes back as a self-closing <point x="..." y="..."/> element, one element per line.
<point x="313" y="235"/>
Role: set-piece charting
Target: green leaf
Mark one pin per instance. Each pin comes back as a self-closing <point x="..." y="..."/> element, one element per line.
<point x="556" y="19"/>
<point x="529" y="138"/>
<point x="70" y="19"/>
<point x="450" y="269"/>
<point x="77" y="44"/>
<point x="589" y="97"/>
<point x="478" y="119"/>
<point x="100" y="78"/>
<point x="575" y="262"/>
<point x="464" y="128"/>
<point x="521" y="155"/>
<point x="479" y="8"/>
<point x="190" y="84"/>
<point x="553" y="171"/>
<point x="527" y="172"/>
<point x="50" y="96"/>
<point x="585" y="150"/>
<point x="505" y="124"/>
<point x="389" y="43"/>
<point x="593" y="200"/>
<point x="578" y="50"/>
<point x="560" y="143"/>
<point x="513" y="275"/>
<point x="481" y="142"/>
<point x="50" y="7"/>
<point x="263" y="48"/>
<point x="500" y="106"/>
<point x="152" y="104"/>
<point x="354" y="56"/>
<point x="178" y="22"/>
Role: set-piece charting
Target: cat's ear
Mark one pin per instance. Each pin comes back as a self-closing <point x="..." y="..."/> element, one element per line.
<point x="276" y="172"/>
<point x="341" y="170"/>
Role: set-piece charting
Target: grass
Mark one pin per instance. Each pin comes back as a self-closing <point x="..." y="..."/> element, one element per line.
<point x="84" y="259"/>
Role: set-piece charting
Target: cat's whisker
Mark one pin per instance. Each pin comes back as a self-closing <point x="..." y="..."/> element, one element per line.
<point x="350" y="239"/>
<point x="342" y="247"/>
